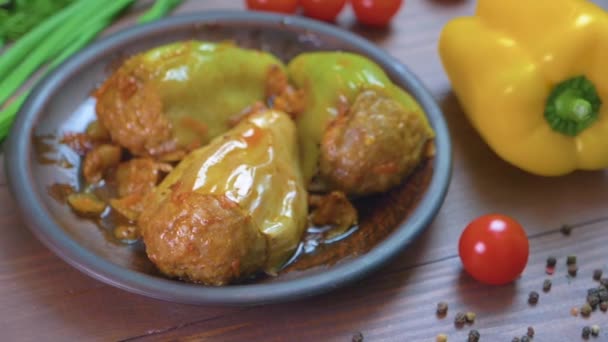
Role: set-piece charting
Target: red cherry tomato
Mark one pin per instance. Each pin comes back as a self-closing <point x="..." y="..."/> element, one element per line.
<point x="376" y="12"/>
<point x="281" y="6"/>
<point x="494" y="249"/>
<point x="326" y="10"/>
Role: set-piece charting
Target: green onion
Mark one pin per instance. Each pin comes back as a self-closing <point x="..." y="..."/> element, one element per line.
<point x="30" y="41"/>
<point x="17" y="17"/>
<point x="91" y="30"/>
<point x="8" y="115"/>
<point x="158" y="10"/>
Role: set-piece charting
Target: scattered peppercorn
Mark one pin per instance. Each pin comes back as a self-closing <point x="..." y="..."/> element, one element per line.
<point x="551" y="261"/>
<point x="547" y="285"/>
<point x="586" y="310"/>
<point x="571" y="260"/>
<point x="470" y="317"/>
<point x="595" y="330"/>
<point x="530" y="332"/>
<point x="358" y="337"/>
<point x="597" y="274"/>
<point x="593" y="300"/>
<point x="566" y="229"/>
<point x="474" y="336"/>
<point x="604" y="282"/>
<point x="574" y="311"/>
<point x="442" y="309"/>
<point x="602" y="293"/>
<point x="442" y="338"/>
<point x="533" y="297"/>
<point x="586" y="332"/>
<point x="460" y="319"/>
<point x="604" y="306"/>
<point x="524" y="339"/>
<point x="572" y="270"/>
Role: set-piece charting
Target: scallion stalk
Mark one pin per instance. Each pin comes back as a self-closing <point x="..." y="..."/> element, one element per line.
<point x="158" y="10"/>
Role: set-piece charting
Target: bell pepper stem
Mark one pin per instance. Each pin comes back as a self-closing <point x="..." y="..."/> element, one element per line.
<point x="572" y="106"/>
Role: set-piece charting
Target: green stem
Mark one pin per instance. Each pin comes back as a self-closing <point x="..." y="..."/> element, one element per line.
<point x="7" y="116"/>
<point x="90" y="31"/>
<point x="158" y="10"/>
<point x="572" y="106"/>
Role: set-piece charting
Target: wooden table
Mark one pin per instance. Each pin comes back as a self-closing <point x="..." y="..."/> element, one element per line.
<point x="44" y="299"/>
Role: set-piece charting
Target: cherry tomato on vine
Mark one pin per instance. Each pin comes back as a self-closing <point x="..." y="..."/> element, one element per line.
<point x="280" y="6"/>
<point x="494" y="249"/>
<point x="326" y="10"/>
<point x="376" y="12"/>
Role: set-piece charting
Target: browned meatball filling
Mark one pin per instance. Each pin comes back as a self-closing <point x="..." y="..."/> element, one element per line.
<point x="134" y="180"/>
<point x="202" y="238"/>
<point x="132" y="111"/>
<point x="137" y="176"/>
<point x="99" y="160"/>
<point x="373" y="146"/>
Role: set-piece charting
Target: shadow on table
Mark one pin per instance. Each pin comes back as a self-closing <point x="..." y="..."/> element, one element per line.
<point x="375" y="34"/>
<point x="478" y="297"/>
<point x="448" y="2"/>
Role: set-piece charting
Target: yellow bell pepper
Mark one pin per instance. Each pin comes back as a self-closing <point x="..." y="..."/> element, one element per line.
<point x="530" y="76"/>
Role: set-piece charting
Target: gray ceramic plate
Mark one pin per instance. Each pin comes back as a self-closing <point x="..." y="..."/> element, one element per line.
<point x="35" y="161"/>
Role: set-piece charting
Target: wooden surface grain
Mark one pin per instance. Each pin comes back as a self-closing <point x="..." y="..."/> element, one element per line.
<point x="43" y="298"/>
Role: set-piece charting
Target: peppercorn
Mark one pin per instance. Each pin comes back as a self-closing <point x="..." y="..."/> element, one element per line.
<point x="358" y="337"/>
<point x="533" y="297"/>
<point x="566" y="229"/>
<point x="571" y="260"/>
<point x="442" y="338"/>
<point x="572" y="270"/>
<point x="593" y="291"/>
<point x="593" y="300"/>
<point x="515" y="339"/>
<point x="524" y="339"/>
<point x="551" y="261"/>
<point x="604" y="282"/>
<point x="586" y="332"/>
<point x="474" y="336"/>
<point x="595" y="330"/>
<point x="604" y="306"/>
<point x="442" y="309"/>
<point x="530" y="332"/>
<point x="470" y="317"/>
<point x="460" y="319"/>
<point x="602" y="293"/>
<point x="547" y="285"/>
<point x="574" y="311"/>
<point x="586" y="310"/>
<point x="597" y="274"/>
